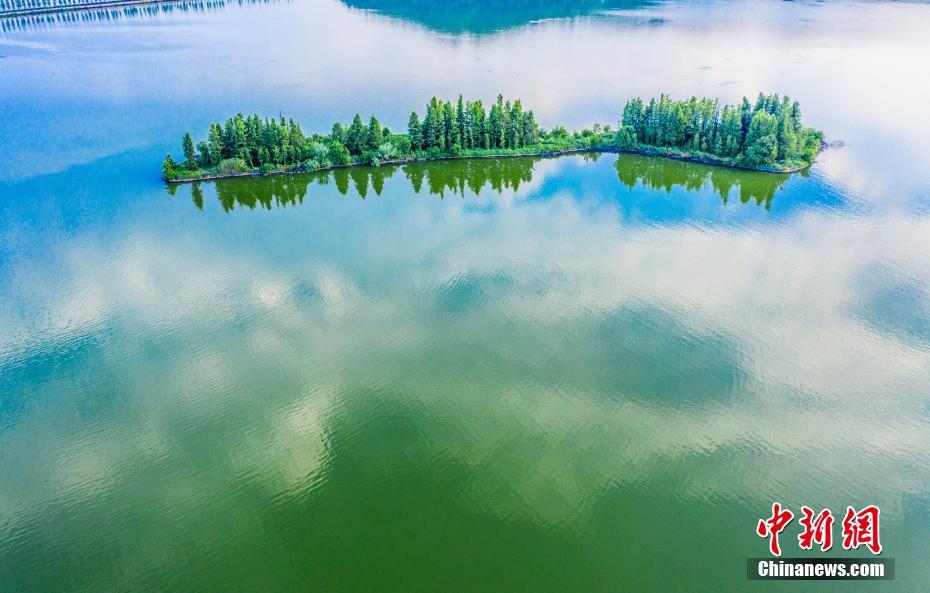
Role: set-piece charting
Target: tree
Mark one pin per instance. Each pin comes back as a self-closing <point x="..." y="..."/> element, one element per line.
<point x="786" y="138"/>
<point x="745" y="114"/>
<point x="434" y="136"/>
<point x="402" y="143"/>
<point x="190" y="153"/>
<point x="496" y="126"/>
<point x="415" y="131"/>
<point x="478" y="122"/>
<point x="356" y="136"/>
<point x="634" y="117"/>
<point x="205" y="157"/>
<point x="338" y="133"/>
<point x="216" y="144"/>
<point x="297" y="142"/>
<point x="386" y="151"/>
<point x="515" y="137"/>
<point x="761" y="140"/>
<point x="374" y="135"/>
<point x="796" y="115"/>
<point x="450" y="128"/>
<point x="460" y="130"/>
<point x="626" y="136"/>
<point x="530" y="129"/>
<point x="730" y="134"/>
<point x="701" y="125"/>
<point x="677" y="125"/>
<point x="169" y="168"/>
<point x="317" y="156"/>
<point x="317" y="150"/>
<point x="337" y="153"/>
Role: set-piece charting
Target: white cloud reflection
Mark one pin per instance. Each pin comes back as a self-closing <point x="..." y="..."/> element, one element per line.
<point x="820" y="382"/>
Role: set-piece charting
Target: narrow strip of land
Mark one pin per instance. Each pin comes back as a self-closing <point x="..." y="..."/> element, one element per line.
<point x="767" y="136"/>
<point x="704" y="160"/>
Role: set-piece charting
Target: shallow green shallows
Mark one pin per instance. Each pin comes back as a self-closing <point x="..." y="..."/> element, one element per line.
<point x="591" y="373"/>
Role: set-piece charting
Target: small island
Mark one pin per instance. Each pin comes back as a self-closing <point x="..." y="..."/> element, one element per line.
<point x="765" y="136"/>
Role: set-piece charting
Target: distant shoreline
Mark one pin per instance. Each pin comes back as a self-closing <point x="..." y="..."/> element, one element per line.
<point x="678" y="156"/>
<point x="78" y="7"/>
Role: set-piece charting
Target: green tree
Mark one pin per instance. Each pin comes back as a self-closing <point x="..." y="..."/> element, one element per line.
<point x="449" y="126"/>
<point x="496" y="126"/>
<point x="434" y="136"/>
<point x="516" y="139"/>
<point x="402" y="143"/>
<point x="338" y="133"/>
<point x="297" y="141"/>
<point x="356" y="136"/>
<point x="745" y="114"/>
<point x="216" y="144"/>
<point x="415" y="131"/>
<point x="478" y="122"/>
<point x="337" y="153"/>
<point x="460" y="129"/>
<point x="634" y="117"/>
<point x="375" y="135"/>
<point x="190" y="153"/>
<point x="730" y="133"/>
<point x="761" y="140"/>
<point x="205" y="157"/>
<point x="169" y="168"/>
<point x="626" y="136"/>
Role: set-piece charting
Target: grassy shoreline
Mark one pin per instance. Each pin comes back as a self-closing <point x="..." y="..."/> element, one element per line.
<point x="543" y="152"/>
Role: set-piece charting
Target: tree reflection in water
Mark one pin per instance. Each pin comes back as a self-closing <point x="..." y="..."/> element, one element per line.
<point x="463" y="177"/>
<point x="662" y="173"/>
<point x="76" y="13"/>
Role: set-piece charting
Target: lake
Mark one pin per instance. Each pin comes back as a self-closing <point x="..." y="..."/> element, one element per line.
<point x="584" y="373"/>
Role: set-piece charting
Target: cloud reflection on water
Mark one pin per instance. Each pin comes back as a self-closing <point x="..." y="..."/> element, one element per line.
<point x="773" y="306"/>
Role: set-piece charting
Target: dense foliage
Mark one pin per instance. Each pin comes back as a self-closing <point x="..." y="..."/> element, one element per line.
<point x="246" y="143"/>
<point x="768" y="134"/>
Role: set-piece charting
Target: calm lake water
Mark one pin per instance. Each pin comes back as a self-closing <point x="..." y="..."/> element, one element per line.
<point x="525" y="375"/>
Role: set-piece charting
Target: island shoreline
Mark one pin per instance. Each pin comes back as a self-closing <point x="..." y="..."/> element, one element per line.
<point x="703" y="160"/>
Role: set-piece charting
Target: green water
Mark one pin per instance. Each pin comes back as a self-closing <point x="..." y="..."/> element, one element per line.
<point x="586" y="373"/>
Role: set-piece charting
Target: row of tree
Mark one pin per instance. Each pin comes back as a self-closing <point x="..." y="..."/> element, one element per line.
<point x="767" y="133"/>
<point x="34" y="4"/>
<point x="468" y="126"/>
<point x="56" y="5"/>
<point x="248" y="142"/>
